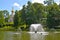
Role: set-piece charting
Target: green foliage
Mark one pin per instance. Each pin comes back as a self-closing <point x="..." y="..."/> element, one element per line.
<point x="53" y="16"/>
<point x="38" y="13"/>
<point x="6" y="15"/>
<point x="16" y="19"/>
<point x="33" y="13"/>
<point x="1" y="18"/>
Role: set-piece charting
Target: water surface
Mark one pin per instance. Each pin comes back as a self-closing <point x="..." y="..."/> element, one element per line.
<point x="9" y="35"/>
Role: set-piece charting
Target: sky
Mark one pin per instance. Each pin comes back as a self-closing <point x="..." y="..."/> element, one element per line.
<point x="17" y="4"/>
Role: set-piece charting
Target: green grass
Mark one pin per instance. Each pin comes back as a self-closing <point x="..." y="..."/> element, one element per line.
<point x="7" y="28"/>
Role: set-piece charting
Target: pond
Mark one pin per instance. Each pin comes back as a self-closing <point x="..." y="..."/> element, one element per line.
<point x="10" y="35"/>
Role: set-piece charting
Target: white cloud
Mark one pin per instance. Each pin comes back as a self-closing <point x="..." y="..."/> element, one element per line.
<point x="39" y="1"/>
<point x="17" y="5"/>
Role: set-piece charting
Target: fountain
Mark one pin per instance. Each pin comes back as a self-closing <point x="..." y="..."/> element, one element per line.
<point x="37" y="32"/>
<point x="36" y="28"/>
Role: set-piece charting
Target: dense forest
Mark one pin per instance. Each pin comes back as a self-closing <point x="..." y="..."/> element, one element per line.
<point x="33" y="13"/>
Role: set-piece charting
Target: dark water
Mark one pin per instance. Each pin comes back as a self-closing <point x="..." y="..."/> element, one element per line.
<point x="8" y="35"/>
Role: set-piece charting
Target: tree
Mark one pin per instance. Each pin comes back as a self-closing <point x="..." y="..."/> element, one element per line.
<point x="6" y="15"/>
<point x="53" y="16"/>
<point x="23" y="15"/>
<point x="1" y="18"/>
<point x="16" y="19"/>
<point x="39" y="11"/>
<point x="32" y="13"/>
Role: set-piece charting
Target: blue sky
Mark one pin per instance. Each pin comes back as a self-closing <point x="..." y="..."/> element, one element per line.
<point x="8" y="4"/>
<point x="17" y="4"/>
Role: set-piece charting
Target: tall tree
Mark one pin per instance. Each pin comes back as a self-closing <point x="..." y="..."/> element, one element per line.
<point x="16" y="19"/>
<point x="52" y="18"/>
<point x="32" y="13"/>
<point x="1" y="18"/>
<point x="23" y="15"/>
<point x="39" y="10"/>
<point x="6" y="15"/>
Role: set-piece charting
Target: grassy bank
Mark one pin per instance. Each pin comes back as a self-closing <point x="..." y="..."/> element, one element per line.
<point x="10" y="28"/>
<point x="7" y="28"/>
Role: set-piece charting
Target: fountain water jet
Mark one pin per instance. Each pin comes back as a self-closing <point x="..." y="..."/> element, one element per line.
<point x="36" y="28"/>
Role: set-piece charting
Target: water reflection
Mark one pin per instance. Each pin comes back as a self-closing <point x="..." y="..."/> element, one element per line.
<point x="8" y="35"/>
<point x="21" y="36"/>
<point x="12" y="36"/>
<point x="36" y="36"/>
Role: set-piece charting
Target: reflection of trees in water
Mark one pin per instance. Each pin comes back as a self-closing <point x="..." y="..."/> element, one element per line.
<point x="8" y="36"/>
<point x="22" y="36"/>
<point x="12" y="36"/>
<point x="17" y="37"/>
<point x="25" y="36"/>
<point x="36" y="36"/>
